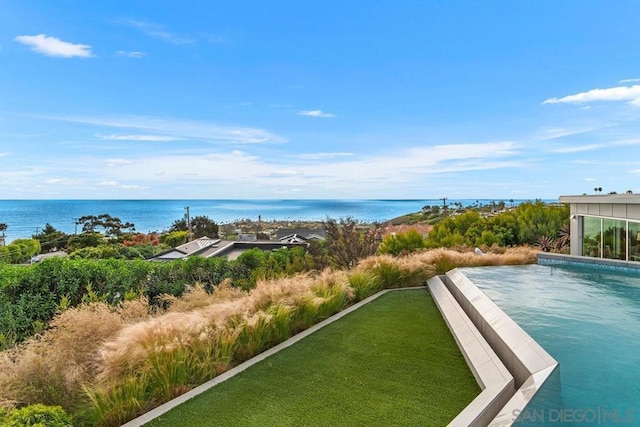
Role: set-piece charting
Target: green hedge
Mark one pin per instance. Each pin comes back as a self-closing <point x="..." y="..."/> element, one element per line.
<point x="31" y="295"/>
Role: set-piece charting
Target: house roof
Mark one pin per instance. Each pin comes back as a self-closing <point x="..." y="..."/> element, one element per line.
<point x="628" y="199"/>
<point x="206" y="247"/>
<point x="305" y="233"/>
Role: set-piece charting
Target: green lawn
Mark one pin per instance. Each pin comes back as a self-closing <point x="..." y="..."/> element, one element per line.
<point x="392" y="362"/>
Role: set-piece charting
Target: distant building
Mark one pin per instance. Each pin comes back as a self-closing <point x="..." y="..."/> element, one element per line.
<point x="605" y="226"/>
<point x="230" y="249"/>
<point x="300" y="235"/>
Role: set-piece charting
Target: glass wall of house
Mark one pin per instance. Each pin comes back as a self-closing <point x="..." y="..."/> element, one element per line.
<point x="611" y="238"/>
<point x="634" y="239"/>
<point x="615" y="239"/>
<point x="591" y="236"/>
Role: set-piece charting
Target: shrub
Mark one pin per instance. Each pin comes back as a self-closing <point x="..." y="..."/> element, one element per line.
<point x="399" y="243"/>
<point x="175" y="238"/>
<point x="37" y="415"/>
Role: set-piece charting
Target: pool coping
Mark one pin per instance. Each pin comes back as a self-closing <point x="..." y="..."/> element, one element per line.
<point x="551" y="259"/>
<point x="528" y="363"/>
<point x="167" y="406"/>
<point x="494" y="379"/>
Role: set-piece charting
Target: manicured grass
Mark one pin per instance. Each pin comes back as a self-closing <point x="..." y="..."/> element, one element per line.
<point x="392" y="362"/>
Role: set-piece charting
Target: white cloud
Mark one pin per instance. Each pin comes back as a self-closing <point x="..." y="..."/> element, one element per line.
<point x="52" y="46"/>
<point x="5" y="154"/>
<point x="116" y="184"/>
<point x="629" y="81"/>
<point x="158" y="31"/>
<point x="591" y="179"/>
<point x="131" y="54"/>
<point x="117" y="162"/>
<point x="159" y="138"/>
<point x="579" y="148"/>
<point x="561" y="132"/>
<point x="323" y="177"/>
<point x="316" y="113"/>
<point x="318" y="156"/>
<point x="181" y="129"/>
<point x="620" y="93"/>
<point x="60" y="181"/>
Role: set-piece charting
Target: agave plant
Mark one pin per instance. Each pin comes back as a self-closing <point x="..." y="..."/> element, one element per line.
<point x="564" y="237"/>
<point x="545" y="243"/>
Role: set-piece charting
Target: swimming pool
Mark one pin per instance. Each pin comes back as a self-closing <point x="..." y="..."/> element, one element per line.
<point x="588" y="319"/>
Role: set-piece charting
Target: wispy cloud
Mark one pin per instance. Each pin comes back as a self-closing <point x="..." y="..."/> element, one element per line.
<point x="631" y="94"/>
<point x="629" y="81"/>
<point x="131" y="54"/>
<point x="158" y="31"/>
<point x="5" y="154"/>
<point x="319" y="156"/>
<point x="151" y="138"/>
<point x="561" y="132"/>
<point x="352" y="175"/>
<point x="578" y="148"/>
<point x="52" y="46"/>
<point x="116" y="184"/>
<point x="60" y="181"/>
<point x="108" y="183"/>
<point x="316" y="113"/>
<point x="180" y="129"/>
<point x="117" y="162"/>
<point x="591" y="179"/>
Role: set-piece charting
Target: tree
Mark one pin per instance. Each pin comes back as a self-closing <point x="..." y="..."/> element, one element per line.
<point x="3" y="227"/>
<point x="51" y="239"/>
<point x="112" y="226"/>
<point x="201" y="226"/>
<point x="349" y="241"/>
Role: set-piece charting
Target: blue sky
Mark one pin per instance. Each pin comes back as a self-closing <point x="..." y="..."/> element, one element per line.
<point x="332" y="99"/>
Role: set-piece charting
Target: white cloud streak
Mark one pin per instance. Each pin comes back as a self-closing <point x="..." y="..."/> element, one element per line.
<point x="131" y="54"/>
<point x="180" y="129"/>
<point x="631" y="94"/>
<point x="150" y="138"/>
<point x="316" y="113"/>
<point x="52" y="46"/>
<point x="319" y="156"/>
<point x="158" y="31"/>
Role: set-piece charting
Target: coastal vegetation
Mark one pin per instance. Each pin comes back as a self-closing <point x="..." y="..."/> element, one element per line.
<point x="105" y="362"/>
<point x="530" y="223"/>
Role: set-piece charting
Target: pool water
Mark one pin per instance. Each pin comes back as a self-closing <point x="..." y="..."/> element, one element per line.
<point x="587" y="319"/>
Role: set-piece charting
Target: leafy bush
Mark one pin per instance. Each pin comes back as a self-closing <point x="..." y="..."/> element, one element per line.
<point x="37" y="415"/>
<point x="175" y="238"/>
<point x="401" y="243"/>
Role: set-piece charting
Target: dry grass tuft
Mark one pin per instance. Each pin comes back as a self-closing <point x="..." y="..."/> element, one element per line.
<point x="52" y="368"/>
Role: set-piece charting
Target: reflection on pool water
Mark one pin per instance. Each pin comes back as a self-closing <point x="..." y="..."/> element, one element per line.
<point x="588" y="319"/>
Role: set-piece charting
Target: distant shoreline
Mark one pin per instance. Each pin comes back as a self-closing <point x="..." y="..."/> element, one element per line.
<point x="25" y="217"/>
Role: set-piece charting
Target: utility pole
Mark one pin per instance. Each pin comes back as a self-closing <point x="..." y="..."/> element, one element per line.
<point x="188" y="220"/>
<point x="444" y="206"/>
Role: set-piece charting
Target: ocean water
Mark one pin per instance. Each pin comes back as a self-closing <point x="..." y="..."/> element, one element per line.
<point x="25" y="217"/>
